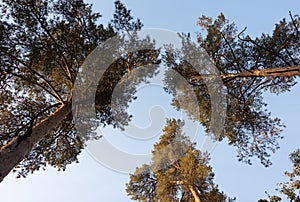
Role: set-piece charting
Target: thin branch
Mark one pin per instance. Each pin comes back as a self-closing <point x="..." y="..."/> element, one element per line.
<point x="294" y="23"/>
<point x="35" y="117"/>
<point x="259" y="86"/>
<point x="232" y="52"/>
<point x="249" y="86"/>
<point x="248" y="39"/>
<point x="35" y="83"/>
<point x="242" y="32"/>
<point x="227" y="59"/>
<point x="290" y="56"/>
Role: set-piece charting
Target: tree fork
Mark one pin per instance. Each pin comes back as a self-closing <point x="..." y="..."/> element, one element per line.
<point x="14" y="152"/>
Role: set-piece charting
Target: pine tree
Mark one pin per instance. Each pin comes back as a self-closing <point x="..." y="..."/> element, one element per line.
<point x="43" y="44"/>
<point x="247" y="68"/>
<point x="291" y="188"/>
<point x="42" y="47"/>
<point x="177" y="172"/>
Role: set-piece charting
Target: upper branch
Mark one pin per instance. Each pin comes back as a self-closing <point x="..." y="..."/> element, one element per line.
<point x="66" y="70"/>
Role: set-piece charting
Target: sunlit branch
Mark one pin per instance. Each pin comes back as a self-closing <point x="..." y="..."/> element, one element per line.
<point x="272" y="72"/>
<point x="67" y="69"/>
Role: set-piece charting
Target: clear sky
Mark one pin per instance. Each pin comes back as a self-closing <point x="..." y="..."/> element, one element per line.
<point x="90" y="181"/>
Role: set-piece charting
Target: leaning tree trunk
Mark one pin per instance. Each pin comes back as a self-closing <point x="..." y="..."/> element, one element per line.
<point x="194" y="193"/>
<point x="14" y="152"/>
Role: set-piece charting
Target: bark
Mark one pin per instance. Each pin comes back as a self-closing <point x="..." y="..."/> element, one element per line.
<point x="194" y="193"/>
<point x="15" y="151"/>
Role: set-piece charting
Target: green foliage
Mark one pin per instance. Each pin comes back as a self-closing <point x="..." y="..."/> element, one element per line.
<point x="121" y="21"/>
<point x="249" y="125"/>
<point x="44" y="43"/>
<point x="176" y="167"/>
<point x="271" y="199"/>
<point x="291" y="189"/>
<point x="42" y="47"/>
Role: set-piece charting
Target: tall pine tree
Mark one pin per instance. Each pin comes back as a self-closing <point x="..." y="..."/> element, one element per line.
<point x="42" y="47"/>
<point x="177" y="172"/>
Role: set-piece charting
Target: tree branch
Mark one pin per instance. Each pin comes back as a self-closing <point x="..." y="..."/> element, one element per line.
<point x="272" y="72"/>
<point x="35" y="117"/>
<point x="289" y="71"/>
<point x="248" y="39"/>
<point x="294" y="23"/>
<point x="67" y="69"/>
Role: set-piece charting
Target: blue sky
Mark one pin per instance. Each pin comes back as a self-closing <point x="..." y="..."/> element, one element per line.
<point x="90" y="181"/>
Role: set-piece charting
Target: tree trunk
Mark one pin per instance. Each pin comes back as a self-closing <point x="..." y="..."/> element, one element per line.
<point x="15" y="151"/>
<point x="194" y="193"/>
